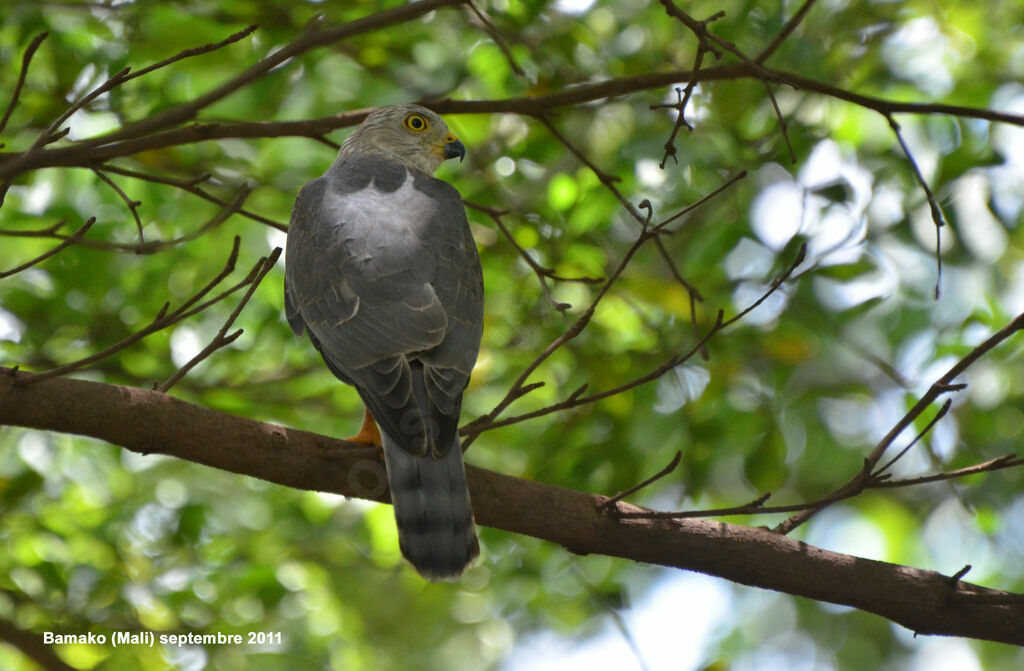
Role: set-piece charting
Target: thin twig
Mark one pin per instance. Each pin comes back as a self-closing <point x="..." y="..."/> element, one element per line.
<point x="489" y="28"/>
<point x="700" y="30"/>
<point x="162" y="320"/>
<point x="195" y="51"/>
<point x="786" y="31"/>
<point x="607" y="180"/>
<point x="707" y="40"/>
<point x="703" y="199"/>
<point x="783" y="126"/>
<point x="141" y="133"/>
<point x="943" y="385"/>
<point x="26" y="60"/>
<point x="933" y="205"/>
<point x="75" y="237"/>
<point x="152" y="246"/>
<point x="683" y="100"/>
<point x="54" y="131"/>
<point x="489" y="422"/>
<point x="691" y="291"/>
<point x="610" y="503"/>
<point x="999" y="463"/>
<point x="754" y="507"/>
<point x="540" y="271"/>
<point x="309" y="39"/>
<point x="934" y="420"/>
<point x="48" y="232"/>
<point x="801" y="254"/>
<point x="222" y="339"/>
<point x="192" y="186"/>
<point x="133" y="205"/>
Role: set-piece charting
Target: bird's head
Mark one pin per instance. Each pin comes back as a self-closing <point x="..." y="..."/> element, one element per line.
<point x="410" y="134"/>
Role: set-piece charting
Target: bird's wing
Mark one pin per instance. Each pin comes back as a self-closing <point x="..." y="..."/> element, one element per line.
<point x="383" y="273"/>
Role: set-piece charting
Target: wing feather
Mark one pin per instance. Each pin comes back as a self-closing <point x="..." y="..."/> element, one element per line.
<point x="383" y="274"/>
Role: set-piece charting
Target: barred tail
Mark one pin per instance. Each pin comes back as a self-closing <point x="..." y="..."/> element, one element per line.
<point x="432" y="510"/>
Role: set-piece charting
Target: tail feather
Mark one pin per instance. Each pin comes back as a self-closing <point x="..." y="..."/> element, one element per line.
<point x="432" y="510"/>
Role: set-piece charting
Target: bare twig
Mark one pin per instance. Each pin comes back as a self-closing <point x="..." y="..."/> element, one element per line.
<point x="955" y="578"/>
<point x="707" y="41"/>
<point x="783" y="126"/>
<point x="192" y="186"/>
<point x="754" y="507"/>
<point x="309" y="39"/>
<point x="757" y="507"/>
<point x="162" y="320"/>
<point x="72" y="239"/>
<point x="26" y="61"/>
<point x="786" y="31"/>
<point x="610" y="503"/>
<point x="703" y="199"/>
<point x="152" y="246"/>
<point x="997" y="464"/>
<point x="801" y="254"/>
<point x="195" y="51"/>
<point x="222" y="339"/>
<point x="489" y="422"/>
<point x="934" y="420"/>
<point x="691" y="291"/>
<point x="542" y="273"/>
<point x="713" y="42"/>
<point x="933" y="205"/>
<point x="683" y="100"/>
<point x="54" y="132"/>
<point x="607" y="180"/>
<point x="489" y="28"/>
<point x="140" y="134"/>
<point x="943" y="385"/>
<point x="133" y="205"/>
<point x="48" y="232"/>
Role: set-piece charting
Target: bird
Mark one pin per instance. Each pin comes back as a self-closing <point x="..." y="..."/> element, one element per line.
<point x="383" y="275"/>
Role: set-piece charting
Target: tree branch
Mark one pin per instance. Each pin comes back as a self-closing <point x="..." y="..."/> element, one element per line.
<point x="81" y="154"/>
<point x="941" y="386"/>
<point x="32" y="646"/>
<point x="145" y="421"/>
<point x="70" y="240"/>
<point x="786" y="31"/>
<point x="26" y="61"/>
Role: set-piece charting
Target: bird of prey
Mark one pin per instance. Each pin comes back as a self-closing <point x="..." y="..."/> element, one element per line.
<point x="383" y="274"/>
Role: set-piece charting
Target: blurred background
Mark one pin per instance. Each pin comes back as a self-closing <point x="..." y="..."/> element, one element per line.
<point x="789" y="400"/>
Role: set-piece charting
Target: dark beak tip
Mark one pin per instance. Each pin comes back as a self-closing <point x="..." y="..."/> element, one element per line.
<point x="455" y="148"/>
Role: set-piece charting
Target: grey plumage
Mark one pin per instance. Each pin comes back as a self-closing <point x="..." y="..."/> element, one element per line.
<point x="383" y="274"/>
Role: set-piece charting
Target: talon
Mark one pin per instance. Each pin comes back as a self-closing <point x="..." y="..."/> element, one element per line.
<point x="368" y="432"/>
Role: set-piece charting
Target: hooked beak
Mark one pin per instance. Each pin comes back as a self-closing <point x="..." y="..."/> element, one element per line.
<point x="453" y="147"/>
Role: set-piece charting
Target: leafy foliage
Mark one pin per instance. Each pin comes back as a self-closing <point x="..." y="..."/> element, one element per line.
<point x="789" y="400"/>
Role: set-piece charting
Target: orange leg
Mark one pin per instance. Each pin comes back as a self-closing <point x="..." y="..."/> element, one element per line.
<point x="368" y="432"/>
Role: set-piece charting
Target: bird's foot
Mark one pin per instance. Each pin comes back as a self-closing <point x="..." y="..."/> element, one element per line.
<point x="368" y="434"/>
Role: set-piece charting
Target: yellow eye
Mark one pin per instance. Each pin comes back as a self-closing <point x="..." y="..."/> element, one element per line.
<point x="417" y="123"/>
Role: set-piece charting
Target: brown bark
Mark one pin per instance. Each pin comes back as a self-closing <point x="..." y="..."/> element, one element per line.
<point x="147" y="421"/>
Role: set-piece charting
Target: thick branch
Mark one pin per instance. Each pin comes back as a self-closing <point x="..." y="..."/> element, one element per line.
<point x="147" y="421"/>
<point x="83" y="154"/>
<point x="31" y="645"/>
